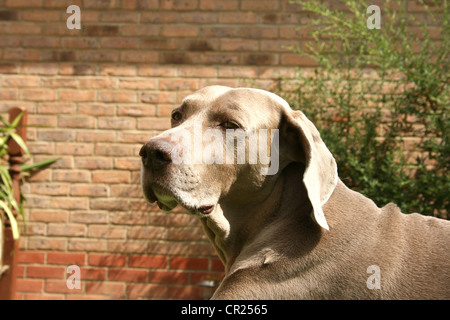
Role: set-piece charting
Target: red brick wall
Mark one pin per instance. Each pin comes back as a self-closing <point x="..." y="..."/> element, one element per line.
<point x="94" y="96"/>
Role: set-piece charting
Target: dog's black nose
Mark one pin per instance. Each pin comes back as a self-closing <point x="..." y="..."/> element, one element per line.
<point x="156" y="153"/>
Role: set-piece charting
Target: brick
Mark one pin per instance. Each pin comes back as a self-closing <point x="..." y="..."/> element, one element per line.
<point x="238" y="17"/>
<point x="74" y="148"/>
<point x="297" y="60"/>
<point x="117" y="70"/>
<point x="189" y="263"/>
<point x="31" y="257"/>
<point x="197" y="71"/>
<point x="66" y="230"/>
<point x="259" y="32"/>
<point x="190" y="292"/>
<point x="40" y="147"/>
<point x="97" y="82"/>
<point x="82" y="244"/>
<point x="136" y="110"/>
<point x="107" y="260"/>
<point x="169" y="277"/>
<point x="118" y="16"/>
<point x="9" y="15"/>
<point x="239" y="45"/>
<point x="148" y="232"/>
<point x="179" y="31"/>
<point x="47" y="244"/>
<point x="58" y="82"/>
<point x="46" y="121"/>
<point x="76" y="122"/>
<point x="199" y="17"/>
<point x="20" y="81"/>
<point x="109" y="204"/>
<point x="23" y="3"/>
<point x="110" y="176"/>
<point x="179" y="4"/>
<point x="214" y="58"/>
<point x="34" y="296"/>
<point x="234" y="71"/>
<point x="153" y="123"/>
<point x="8" y="68"/>
<point x="76" y="95"/>
<point x="140" y="30"/>
<point x="56" y="135"/>
<point x="120" y="150"/>
<point x="130" y="164"/>
<point x="107" y="232"/>
<point x="116" y="123"/>
<point x="96" y="109"/>
<point x="77" y="69"/>
<point x="147" y="261"/>
<point x="60" y="286"/>
<point x="159" y="17"/>
<point x="93" y="163"/>
<point x="72" y="203"/>
<point x="61" y="3"/>
<point x="117" y="96"/>
<point x="259" y="59"/>
<point x="278" y="45"/>
<point x="38" y="95"/>
<point x="186" y="234"/>
<point x="178" y="84"/>
<point x="138" y="291"/>
<point x="46" y="272"/>
<point x="40" y="68"/>
<point x="8" y="94"/>
<point x="43" y="175"/>
<point x="138" y="83"/>
<point x="218" y="5"/>
<point x="28" y="285"/>
<point x="51" y="189"/>
<point x="48" y="215"/>
<point x="89" y="217"/>
<point x="98" y="56"/>
<point x="71" y="175"/>
<point x="127" y="246"/>
<point x="96" y="136"/>
<point x="259" y="5"/>
<point x="66" y="259"/>
<point x="88" y="273"/>
<point x="127" y="218"/>
<point x="127" y="275"/>
<point x="40" y="42"/>
<point x="79" y="43"/>
<point x="90" y="190"/>
<point x="9" y="41"/>
<point x="102" y="4"/>
<point x="157" y="71"/>
<point x="119" y="43"/>
<point x="220" y="31"/>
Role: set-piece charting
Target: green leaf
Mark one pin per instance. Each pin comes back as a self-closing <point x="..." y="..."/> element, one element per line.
<point x="20" y="142"/>
<point x="32" y="166"/>
<point x="12" y="220"/>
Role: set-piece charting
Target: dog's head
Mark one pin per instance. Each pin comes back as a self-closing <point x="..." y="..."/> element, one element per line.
<point x="233" y="144"/>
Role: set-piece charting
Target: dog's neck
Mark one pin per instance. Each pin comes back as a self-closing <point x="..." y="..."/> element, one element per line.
<point x="233" y="227"/>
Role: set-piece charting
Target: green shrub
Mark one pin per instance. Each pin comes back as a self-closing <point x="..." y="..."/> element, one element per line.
<point x="380" y="98"/>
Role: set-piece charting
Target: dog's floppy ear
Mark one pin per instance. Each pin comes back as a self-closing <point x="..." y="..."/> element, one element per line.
<point x="305" y="145"/>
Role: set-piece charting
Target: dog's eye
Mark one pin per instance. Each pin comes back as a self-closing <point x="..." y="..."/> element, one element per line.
<point x="229" y="125"/>
<point x="176" y="116"/>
